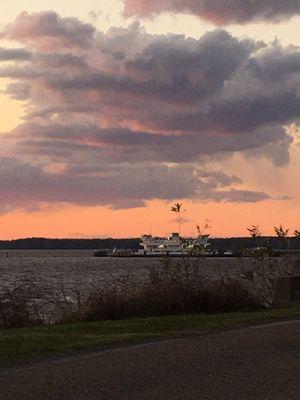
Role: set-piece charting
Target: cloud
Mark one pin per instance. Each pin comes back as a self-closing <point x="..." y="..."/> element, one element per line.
<point x="48" y="31"/>
<point x="170" y="67"/>
<point x="26" y="186"/>
<point x="238" y="196"/>
<point x="219" y="12"/>
<point x="116" y="144"/>
<point x="125" y="117"/>
<point x="14" y="54"/>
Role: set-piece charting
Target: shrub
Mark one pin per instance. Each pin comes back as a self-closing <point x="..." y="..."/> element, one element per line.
<point x="173" y="289"/>
<point x="19" y="306"/>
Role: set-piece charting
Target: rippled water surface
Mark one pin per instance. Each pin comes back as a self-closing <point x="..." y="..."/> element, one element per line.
<point x="72" y="270"/>
<point x="77" y="271"/>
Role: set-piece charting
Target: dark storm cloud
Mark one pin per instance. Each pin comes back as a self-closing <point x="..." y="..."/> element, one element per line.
<point x="125" y="117"/>
<point x="220" y="12"/>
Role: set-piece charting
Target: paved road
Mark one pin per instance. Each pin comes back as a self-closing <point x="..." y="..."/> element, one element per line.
<point x="257" y="364"/>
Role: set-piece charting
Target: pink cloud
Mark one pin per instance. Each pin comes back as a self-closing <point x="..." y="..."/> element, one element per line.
<point x="48" y="31"/>
<point x="220" y="12"/>
<point x="126" y="117"/>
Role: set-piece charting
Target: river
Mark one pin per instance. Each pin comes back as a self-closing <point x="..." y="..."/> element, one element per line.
<point x="77" y="271"/>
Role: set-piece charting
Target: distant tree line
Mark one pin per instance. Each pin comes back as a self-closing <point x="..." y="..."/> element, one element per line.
<point x="221" y="244"/>
<point x="236" y="244"/>
<point x="68" y="244"/>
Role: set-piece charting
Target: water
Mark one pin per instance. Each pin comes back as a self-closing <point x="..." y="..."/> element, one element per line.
<point x="78" y="271"/>
<point x="71" y="275"/>
<point x="62" y="275"/>
<point x="74" y="271"/>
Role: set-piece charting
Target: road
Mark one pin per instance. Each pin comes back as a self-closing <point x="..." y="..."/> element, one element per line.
<point x="259" y="363"/>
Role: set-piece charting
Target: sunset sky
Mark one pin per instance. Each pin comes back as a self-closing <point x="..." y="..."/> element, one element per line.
<point x="113" y="110"/>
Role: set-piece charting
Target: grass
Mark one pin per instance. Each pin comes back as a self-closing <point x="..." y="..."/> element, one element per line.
<point x="31" y="344"/>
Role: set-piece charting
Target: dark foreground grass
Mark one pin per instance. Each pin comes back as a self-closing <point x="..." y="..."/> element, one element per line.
<point x="31" y="344"/>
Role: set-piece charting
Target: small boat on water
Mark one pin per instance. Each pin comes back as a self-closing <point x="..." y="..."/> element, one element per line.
<point x="101" y="253"/>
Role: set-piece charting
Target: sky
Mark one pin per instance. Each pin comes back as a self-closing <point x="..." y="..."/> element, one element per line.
<point x="112" y="111"/>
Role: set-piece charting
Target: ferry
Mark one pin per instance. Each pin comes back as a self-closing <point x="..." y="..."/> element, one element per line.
<point x="173" y="246"/>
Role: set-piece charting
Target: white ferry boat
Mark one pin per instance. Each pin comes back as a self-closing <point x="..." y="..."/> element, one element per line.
<point x="173" y="246"/>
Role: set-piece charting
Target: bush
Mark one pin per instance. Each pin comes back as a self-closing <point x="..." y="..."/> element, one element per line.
<point x="19" y="307"/>
<point x="171" y="290"/>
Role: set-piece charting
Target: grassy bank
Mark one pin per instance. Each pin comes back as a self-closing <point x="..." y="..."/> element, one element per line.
<point x="28" y="344"/>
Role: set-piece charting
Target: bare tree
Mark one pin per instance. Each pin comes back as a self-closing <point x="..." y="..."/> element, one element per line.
<point x="297" y="234"/>
<point x="254" y="231"/>
<point x="178" y="209"/>
<point x="281" y="232"/>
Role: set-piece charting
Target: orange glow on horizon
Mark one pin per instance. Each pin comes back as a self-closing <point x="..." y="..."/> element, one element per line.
<point x="227" y="220"/>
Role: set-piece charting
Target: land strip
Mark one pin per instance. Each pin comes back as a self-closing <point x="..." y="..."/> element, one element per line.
<point x="22" y="346"/>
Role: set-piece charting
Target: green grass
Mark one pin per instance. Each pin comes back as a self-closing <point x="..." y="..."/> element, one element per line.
<point x="23" y="345"/>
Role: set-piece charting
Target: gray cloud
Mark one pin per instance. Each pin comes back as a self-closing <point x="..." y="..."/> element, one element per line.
<point x="130" y="117"/>
<point x="240" y="114"/>
<point x="171" y="67"/>
<point x="220" y="12"/>
<point x="116" y="144"/>
<point x="14" y="54"/>
<point x="48" y="30"/>
<point x="25" y="186"/>
<point x="238" y="196"/>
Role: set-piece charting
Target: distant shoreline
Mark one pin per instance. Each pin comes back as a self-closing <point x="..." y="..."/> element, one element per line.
<point x="132" y="243"/>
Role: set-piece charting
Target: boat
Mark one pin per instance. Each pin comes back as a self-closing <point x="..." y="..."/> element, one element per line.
<point x="173" y="246"/>
<point x="114" y="253"/>
<point x="101" y="253"/>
